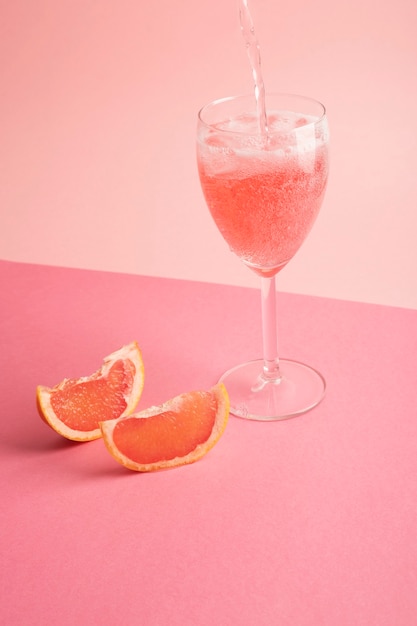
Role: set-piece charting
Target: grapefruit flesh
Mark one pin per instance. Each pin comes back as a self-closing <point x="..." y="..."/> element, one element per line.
<point x="179" y="432"/>
<point x="75" y="407"/>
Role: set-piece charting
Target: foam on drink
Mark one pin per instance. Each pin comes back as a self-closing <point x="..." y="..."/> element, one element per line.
<point x="290" y="136"/>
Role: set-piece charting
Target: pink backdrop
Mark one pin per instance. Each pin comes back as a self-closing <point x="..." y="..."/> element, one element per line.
<point x="97" y="125"/>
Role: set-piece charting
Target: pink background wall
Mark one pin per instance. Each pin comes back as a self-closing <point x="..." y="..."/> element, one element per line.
<point x="97" y="124"/>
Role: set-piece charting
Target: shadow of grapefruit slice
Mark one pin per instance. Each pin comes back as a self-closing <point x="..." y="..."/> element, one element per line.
<point x="178" y="432"/>
<point x="74" y="407"/>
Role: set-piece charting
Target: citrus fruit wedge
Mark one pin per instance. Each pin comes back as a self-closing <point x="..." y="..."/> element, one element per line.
<point x="74" y="407"/>
<point x="178" y="432"/>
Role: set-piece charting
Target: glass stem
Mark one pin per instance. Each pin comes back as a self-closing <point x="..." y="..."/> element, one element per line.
<point x="271" y="371"/>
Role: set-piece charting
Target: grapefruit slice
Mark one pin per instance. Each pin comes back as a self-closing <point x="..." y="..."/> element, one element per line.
<point x="74" y="407"/>
<point x="178" y="432"/>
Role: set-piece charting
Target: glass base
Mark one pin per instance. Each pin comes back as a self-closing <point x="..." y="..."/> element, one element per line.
<point x="252" y="396"/>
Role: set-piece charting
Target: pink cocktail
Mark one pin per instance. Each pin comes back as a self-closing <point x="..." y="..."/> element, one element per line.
<point x="264" y="185"/>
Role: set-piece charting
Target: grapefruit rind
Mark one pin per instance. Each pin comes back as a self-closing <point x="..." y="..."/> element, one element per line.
<point x="222" y="415"/>
<point x="129" y="352"/>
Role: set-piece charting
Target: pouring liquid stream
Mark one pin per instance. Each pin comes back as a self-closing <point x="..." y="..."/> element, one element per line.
<point x="254" y="54"/>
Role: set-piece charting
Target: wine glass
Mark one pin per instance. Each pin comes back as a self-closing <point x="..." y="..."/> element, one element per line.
<point x="263" y="179"/>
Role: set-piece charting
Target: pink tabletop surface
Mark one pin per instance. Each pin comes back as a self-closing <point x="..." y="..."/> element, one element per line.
<point x="307" y="522"/>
